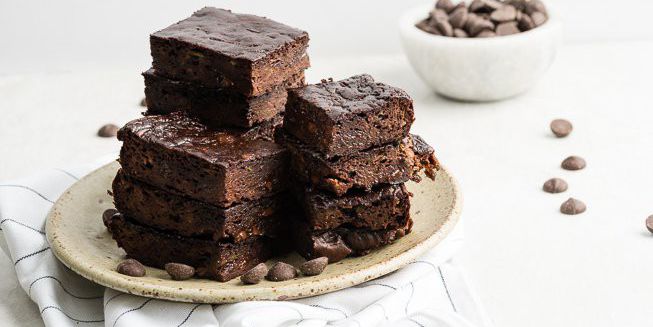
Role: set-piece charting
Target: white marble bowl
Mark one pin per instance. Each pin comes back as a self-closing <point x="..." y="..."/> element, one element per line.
<point x="479" y="69"/>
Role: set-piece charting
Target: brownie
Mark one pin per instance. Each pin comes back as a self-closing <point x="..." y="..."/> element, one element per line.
<point x="337" y="244"/>
<point x="217" y="48"/>
<point x="384" y="207"/>
<point x="392" y="163"/>
<point x="343" y="117"/>
<point x="168" y="211"/>
<point x="215" y="107"/>
<point x="221" y="168"/>
<point x="211" y="259"/>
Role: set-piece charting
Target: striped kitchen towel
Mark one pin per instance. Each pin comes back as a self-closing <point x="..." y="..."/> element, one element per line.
<point x="431" y="291"/>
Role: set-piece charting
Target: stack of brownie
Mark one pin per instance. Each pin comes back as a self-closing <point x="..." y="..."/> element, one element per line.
<point x="201" y="181"/>
<point x="351" y="153"/>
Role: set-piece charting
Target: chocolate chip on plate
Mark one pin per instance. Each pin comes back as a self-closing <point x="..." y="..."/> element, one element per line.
<point x="507" y="28"/>
<point x="179" y="271"/>
<point x="314" y="267"/>
<point x="573" y="163"/>
<point x="505" y="13"/>
<point x="144" y="102"/>
<point x="131" y="267"/>
<point x="561" y="127"/>
<point x="458" y="17"/>
<point x="255" y="275"/>
<point x="480" y="25"/>
<point x="555" y="185"/>
<point x="107" y="215"/>
<point x="649" y="223"/>
<point x="108" y="130"/>
<point x="572" y="207"/>
<point x="281" y="271"/>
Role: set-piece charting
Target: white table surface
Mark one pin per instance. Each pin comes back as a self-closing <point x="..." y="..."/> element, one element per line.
<point x="531" y="265"/>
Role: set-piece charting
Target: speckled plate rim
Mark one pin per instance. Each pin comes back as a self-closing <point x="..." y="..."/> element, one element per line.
<point x="206" y="291"/>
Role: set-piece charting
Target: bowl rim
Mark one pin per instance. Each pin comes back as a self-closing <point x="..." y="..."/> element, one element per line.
<point x="412" y="16"/>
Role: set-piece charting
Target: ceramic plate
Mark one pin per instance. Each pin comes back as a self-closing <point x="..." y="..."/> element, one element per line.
<point x="80" y="240"/>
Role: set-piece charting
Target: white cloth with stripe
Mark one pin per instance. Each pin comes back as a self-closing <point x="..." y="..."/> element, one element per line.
<point x="429" y="292"/>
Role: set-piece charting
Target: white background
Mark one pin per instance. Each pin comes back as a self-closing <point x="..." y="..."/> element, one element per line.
<point x="66" y="67"/>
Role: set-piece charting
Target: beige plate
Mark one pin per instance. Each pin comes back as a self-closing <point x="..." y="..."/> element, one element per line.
<point x="80" y="240"/>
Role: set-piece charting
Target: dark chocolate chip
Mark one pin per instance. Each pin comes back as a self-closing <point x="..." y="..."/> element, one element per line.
<point x="445" y="5"/>
<point x="480" y="25"/>
<point x="428" y="28"/>
<point x="458" y="33"/>
<point x="131" y="267"/>
<point x="445" y="28"/>
<point x="561" y="127"/>
<point x="438" y="15"/>
<point x="507" y="28"/>
<point x="525" y="23"/>
<point x="478" y="6"/>
<point x="486" y="33"/>
<point x="108" y="130"/>
<point x="533" y="6"/>
<point x="505" y="13"/>
<point x="555" y="185"/>
<point x="255" y="275"/>
<point x="179" y="271"/>
<point x="649" y="223"/>
<point x="458" y="17"/>
<point x="314" y="267"/>
<point x="572" y="207"/>
<point x="107" y="215"/>
<point x="144" y="102"/>
<point x="281" y="271"/>
<point x="538" y="18"/>
<point x="573" y="163"/>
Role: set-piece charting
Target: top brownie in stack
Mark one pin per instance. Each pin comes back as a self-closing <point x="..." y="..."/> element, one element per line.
<point x="347" y="116"/>
<point x="243" y="53"/>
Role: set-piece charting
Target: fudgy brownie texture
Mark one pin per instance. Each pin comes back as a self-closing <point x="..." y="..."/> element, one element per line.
<point x="215" y="107"/>
<point x="339" y="243"/>
<point x="391" y="163"/>
<point x="168" y="211"/>
<point x="217" y="48"/>
<point x="344" y="117"/>
<point x="211" y="259"/>
<point x="220" y="168"/>
<point x="384" y="207"/>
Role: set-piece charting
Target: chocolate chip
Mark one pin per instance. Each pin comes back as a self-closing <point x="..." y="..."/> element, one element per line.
<point x="561" y="127"/>
<point x="538" y="18"/>
<point x="458" y="18"/>
<point x="525" y="23"/>
<point x="504" y="14"/>
<point x="459" y="33"/>
<point x="555" y="185"/>
<point x="281" y="271"/>
<point x="507" y="28"/>
<point x="445" y="28"/>
<point x="108" y="130"/>
<point x="486" y="33"/>
<point x="438" y="15"/>
<point x="255" y="275"/>
<point x="314" y="267"/>
<point x="479" y="25"/>
<point x="445" y="5"/>
<point x="107" y="215"/>
<point x="572" y="207"/>
<point x="144" y="102"/>
<point x="478" y="6"/>
<point x="532" y="6"/>
<point x="131" y="267"/>
<point x="179" y="271"/>
<point x="573" y="163"/>
<point x="649" y="223"/>
<point x="428" y="28"/>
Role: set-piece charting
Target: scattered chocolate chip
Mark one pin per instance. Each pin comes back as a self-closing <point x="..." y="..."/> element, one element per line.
<point x="507" y="28"/>
<point x="314" y="267"/>
<point x="144" y="102"/>
<point x="281" y="271"/>
<point x="131" y="267"/>
<point x="538" y="18"/>
<point x="573" y="163"/>
<point x="444" y="27"/>
<point x="255" y="275"/>
<point x="179" y="271"/>
<point x="555" y="185"/>
<point x="572" y="207"/>
<point x="505" y="13"/>
<point x="107" y="215"/>
<point x="458" y="18"/>
<point x="486" y="33"/>
<point x="561" y="127"/>
<point x="459" y="33"/>
<point x="108" y="130"/>
<point x="649" y="223"/>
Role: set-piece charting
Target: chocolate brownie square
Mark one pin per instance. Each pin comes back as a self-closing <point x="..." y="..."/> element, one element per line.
<point x="215" y="107"/>
<point x="384" y="207"/>
<point x="168" y="211"/>
<point x="218" y="48"/>
<point x="392" y="163"/>
<point x="337" y="244"/>
<point x="347" y="116"/>
<point x="220" y="168"/>
<point x="216" y="260"/>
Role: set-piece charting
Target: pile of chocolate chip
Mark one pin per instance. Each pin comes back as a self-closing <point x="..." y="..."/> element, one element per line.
<point x="484" y="18"/>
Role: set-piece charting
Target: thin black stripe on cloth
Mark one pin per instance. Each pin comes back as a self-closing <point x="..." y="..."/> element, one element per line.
<point x="131" y="310"/>
<point x="48" y="277"/>
<point x="189" y="314"/>
<point x="30" y="255"/>
<point x="67" y="173"/>
<point x="444" y="283"/>
<point x="70" y="317"/>
<point x="22" y="224"/>
<point x="29" y="189"/>
<point x="329" y="308"/>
